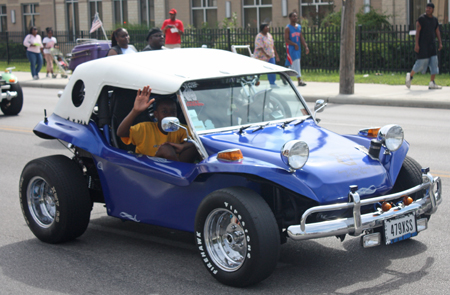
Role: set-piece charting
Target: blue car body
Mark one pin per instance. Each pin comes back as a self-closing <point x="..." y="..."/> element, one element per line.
<point x="167" y="193"/>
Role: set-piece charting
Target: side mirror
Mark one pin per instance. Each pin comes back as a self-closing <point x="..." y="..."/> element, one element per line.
<point x="320" y="106"/>
<point x="170" y="124"/>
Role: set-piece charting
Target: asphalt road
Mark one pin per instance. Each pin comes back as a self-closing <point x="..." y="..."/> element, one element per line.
<point x="115" y="257"/>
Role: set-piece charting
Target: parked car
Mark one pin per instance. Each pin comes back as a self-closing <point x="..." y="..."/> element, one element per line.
<point x="11" y="101"/>
<point x="267" y="171"/>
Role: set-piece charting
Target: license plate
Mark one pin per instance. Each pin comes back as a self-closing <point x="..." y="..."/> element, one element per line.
<point x="400" y="228"/>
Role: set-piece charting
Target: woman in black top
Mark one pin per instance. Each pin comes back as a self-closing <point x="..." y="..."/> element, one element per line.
<point x="119" y="43"/>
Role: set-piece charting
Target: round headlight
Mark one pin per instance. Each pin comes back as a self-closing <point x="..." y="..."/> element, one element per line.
<point x="295" y="153"/>
<point x="391" y="136"/>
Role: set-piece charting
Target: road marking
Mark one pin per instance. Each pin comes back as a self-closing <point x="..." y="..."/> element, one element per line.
<point x="16" y="129"/>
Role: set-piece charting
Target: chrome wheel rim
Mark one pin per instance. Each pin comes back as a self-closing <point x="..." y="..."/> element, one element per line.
<point x="41" y="202"/>
<point x="225" y="240"/>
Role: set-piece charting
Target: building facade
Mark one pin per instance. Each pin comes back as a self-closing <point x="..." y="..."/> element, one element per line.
<point x="77" y="15"/>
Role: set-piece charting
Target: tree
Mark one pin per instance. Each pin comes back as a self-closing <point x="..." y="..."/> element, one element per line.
<point x="347" y="59"/>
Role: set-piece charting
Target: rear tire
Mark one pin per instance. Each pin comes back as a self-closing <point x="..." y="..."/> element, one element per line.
<point x="237" y="236"/>
<point x="13" y="107"/>
<point x="54" y="199"/>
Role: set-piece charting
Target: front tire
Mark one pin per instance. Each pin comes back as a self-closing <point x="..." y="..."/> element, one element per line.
<point x="13" y="107"/>
<point x="409" y="176"/>
<point x="237" y="236"/>
<point x="55" y="199"/>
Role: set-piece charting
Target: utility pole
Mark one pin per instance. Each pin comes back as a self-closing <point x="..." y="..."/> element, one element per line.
<point x="347" y="59"/>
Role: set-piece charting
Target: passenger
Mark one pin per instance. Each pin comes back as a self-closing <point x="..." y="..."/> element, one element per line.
<point x="149" y="137"/>
<point x="119" y="43"/>
<point x="155" y="40"/>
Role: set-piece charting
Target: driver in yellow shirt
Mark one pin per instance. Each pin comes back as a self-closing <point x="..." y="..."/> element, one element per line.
<point x="149" y="137"/>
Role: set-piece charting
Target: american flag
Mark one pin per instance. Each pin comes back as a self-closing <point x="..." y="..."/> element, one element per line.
<point x="96" y="23"/>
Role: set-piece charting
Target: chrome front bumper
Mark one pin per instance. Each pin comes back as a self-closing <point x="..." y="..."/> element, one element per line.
<point x="359" y="223"/>
<point x="7" y="94"/>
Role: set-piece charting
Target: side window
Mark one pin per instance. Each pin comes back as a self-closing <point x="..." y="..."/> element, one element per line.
<point x="78" y="93"/>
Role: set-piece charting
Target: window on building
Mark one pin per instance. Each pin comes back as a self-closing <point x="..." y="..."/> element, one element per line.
<point x="73" y="24"/>
<point x="94" y="7"/>
<point x="204" y="11"/>
<point x="148" y="12"/>
<point x="257" y="12"/>
<point x="366" y="6"/>
<point x="416" y="9"/>
<point x="315" y="10"/>
<point x="3" y="26"/>
<point x="30" y="14"/>
<point x="120" y="12"/>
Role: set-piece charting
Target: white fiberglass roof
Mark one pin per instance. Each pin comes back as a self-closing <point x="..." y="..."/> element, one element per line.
<point x="164" y="70"/>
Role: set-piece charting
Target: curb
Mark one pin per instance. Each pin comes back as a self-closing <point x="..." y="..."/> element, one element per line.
<point x="361" y="100"/>
<point x="37" y="84"/>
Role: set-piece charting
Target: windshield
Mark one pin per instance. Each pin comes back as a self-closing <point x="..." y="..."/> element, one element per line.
<point x="235" y="101"/>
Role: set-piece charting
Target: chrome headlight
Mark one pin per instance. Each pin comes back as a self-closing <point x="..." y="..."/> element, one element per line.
<point x="295" y="153"/>
<point x="391" y="136"/>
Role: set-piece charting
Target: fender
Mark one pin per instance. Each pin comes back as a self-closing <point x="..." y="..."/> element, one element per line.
<point x="87" y="137"/>
<point x="260" y="169"/>
<point x="392" y="162"/>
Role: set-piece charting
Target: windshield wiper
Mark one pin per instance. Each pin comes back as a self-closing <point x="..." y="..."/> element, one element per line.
<point x="287" y="123"/>
<point x="243" y="128"/>
<point x="302" y="120"/>
<point x="260" y="127"/>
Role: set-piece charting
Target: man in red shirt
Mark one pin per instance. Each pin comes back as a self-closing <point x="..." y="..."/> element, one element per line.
<point x="173" y="29"/>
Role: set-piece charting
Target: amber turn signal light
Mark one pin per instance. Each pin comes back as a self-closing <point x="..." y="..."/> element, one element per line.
<point x="373" y="132"/>
<point x="386" y="206"/>
<point x="407" y="200"/>
<point x="12" y="80"/>
<point x="231" y="155"/>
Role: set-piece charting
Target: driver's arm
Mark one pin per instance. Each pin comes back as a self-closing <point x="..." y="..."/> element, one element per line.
<point x="141" y="103"/>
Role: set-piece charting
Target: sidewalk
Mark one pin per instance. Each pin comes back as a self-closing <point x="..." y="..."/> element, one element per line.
<point x="365" y="94"/>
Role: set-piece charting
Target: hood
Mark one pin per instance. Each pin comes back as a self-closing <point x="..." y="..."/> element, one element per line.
<point x="334" y="161"/>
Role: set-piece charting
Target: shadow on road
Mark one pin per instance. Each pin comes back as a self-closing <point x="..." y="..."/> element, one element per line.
<point x="115" y="257"/>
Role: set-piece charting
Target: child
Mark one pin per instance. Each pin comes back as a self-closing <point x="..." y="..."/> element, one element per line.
<point x="62" y="63"/>
<point x="149" y="137"/>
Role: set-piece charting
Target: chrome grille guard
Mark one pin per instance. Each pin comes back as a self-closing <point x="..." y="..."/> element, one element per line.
<point x="358" y="223"/>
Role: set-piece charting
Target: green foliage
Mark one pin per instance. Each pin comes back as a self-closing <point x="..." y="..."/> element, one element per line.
<point x="16" y="51"/>
<point x="134" y="27"/>
<point x="332" y="20"/>
<point x="372" y="18"/>
<point x="304" y="22"/>
<point x="230" y="23"/>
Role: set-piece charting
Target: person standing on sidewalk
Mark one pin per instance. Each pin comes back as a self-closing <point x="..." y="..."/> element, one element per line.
<point x="293" y="36"/>
<point x="33" y="43"/>
<point x="173" y="29"/>
<point x="265" y="50"/>
<point x="49" y="43"/>
<point x="120" y="43"/>
<point x="155" y="40"/>
<point x="427" y="29"/>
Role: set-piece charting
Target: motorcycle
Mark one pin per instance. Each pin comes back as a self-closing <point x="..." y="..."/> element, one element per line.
<point x="11" y="101"/>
